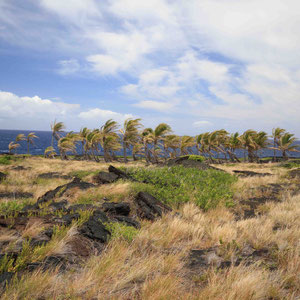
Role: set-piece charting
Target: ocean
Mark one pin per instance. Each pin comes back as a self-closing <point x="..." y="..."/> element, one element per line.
<point x="44" y="141"/>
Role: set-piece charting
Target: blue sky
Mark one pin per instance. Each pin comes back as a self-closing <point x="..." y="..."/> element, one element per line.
<point x="197" y="65"/>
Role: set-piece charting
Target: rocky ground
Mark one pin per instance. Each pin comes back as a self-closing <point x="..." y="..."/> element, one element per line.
<point x="82" y="230"/>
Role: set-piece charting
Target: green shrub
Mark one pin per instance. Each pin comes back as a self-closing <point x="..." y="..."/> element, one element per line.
<point x="290" y="165"/>
<point x="120" y="230"/>
<point x="197" y="158"/>
<point x="12" y="206"/>
<point x="176" y="185"/>
<point x="5" y="160"/>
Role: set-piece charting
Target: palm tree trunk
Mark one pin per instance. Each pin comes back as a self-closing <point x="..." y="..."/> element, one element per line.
<point x="125" y="153"/>
<point x="274" y="152"/>
<point x="284" y="155"/>
<point x="27" y="147"/>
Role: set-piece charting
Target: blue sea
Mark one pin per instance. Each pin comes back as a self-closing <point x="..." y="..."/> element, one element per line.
<point x="44" y="141"/>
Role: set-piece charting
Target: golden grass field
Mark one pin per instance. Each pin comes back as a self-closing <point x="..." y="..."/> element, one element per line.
<point x="155" y="264"/>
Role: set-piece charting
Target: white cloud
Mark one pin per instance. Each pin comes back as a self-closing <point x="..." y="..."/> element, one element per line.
<point x="202" y="123"/>
<point x="37" y="113"/>
<point x="237" y="60"/>
<point x="15" y="106"/>
<point x="101" y="115"/>
<point x="67" y="67"/>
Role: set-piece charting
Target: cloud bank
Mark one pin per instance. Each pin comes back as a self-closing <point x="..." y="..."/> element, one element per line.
<point x="235" y="63"/>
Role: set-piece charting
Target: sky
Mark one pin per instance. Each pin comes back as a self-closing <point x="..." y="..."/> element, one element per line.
<point x="198" y="65"/>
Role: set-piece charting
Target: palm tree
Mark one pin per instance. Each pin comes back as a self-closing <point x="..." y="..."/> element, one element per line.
<point x="248" y="142"/>
<point x="49" y="152"/>
<point x="276" y="135"/>
<point x="260" y="142"/>
<point x="109" y="138"/>
<point x="83" y="136"/>
<point x="171" y="141"/>
<point x="29" y="140"/>
<point x="158" y="136"/>
<point x="12" y="146"/>
<point x="130" y="134"/>
<point x="286" y="144"/>
<point x="92" y="142"/>
<point x="137" y="149"/>
<point x="234" y="143"/>
<point x="20" y="137"/>
<point x="186" y="143"/>
<point x="57" y="129"/>
<point x="147" y="138"/>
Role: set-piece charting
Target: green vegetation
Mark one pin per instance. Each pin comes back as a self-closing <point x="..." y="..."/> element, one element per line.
<point x="8" y="159"/>
<point x="177" y="185"/>
<point x="197" y="158"/>
<point x="290" y="165"/>
<point x="12" y="206"/>
<point x="119" y="230"/>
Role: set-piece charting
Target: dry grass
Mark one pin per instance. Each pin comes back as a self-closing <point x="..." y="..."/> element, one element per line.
<point x="154" y="264"/>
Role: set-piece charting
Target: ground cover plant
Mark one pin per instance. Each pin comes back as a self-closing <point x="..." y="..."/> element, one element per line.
<point x="178" y="185"/>
<point x="204" y="248"/>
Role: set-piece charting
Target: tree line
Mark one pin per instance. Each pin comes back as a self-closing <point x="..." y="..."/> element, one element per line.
<point x="160" y="142"/>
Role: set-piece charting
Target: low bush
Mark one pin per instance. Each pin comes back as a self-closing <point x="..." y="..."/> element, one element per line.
<point x="197" y="158"/>
<point x="177" y="185"/>
<point x="119" y="230"/>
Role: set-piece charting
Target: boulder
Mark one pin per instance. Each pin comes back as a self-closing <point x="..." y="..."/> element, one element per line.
<point x="20" y="168"/>
<point x="95" y="230"/>
<point x="250" y="173"/>
<point x="148" y="207"/>
<point x="51" y="175"/>
<point x="120" y="173"/>
<point x="5" y="278"/>
<point x="128" y="221"/>
<point x="60" y="205"/>
<point x="60" y="190"/>
<point x="105" y="177"/>
<point x="2" y="176"/>
<point x="117" y="208"/>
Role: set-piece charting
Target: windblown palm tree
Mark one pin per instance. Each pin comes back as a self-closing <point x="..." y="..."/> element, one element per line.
<point x="20" y="137"/>
<point x="158" y="136"/>
<point x="83" y="138"/>
<point x="234" y="143"/>
<point x="30" y="140"/>
<point x="130" y="134"/>
<point x="137" y="149"/>
<point x="276" y="135"/>
<point x="147" y="139"/>
<point x="92" y="143"/>
<point x="186" y="143"/>
<point x="248" y="142"/>
<point x="261" y="141"/>
<point x="109" y="138"/>
<point x="171" y="141"/>
<point x="49" y="152"/>
<point x="68" y="144"/>
<point x="12" y="146"/>
<point x="286" y="144"/>
<point x="57" y="129"/>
